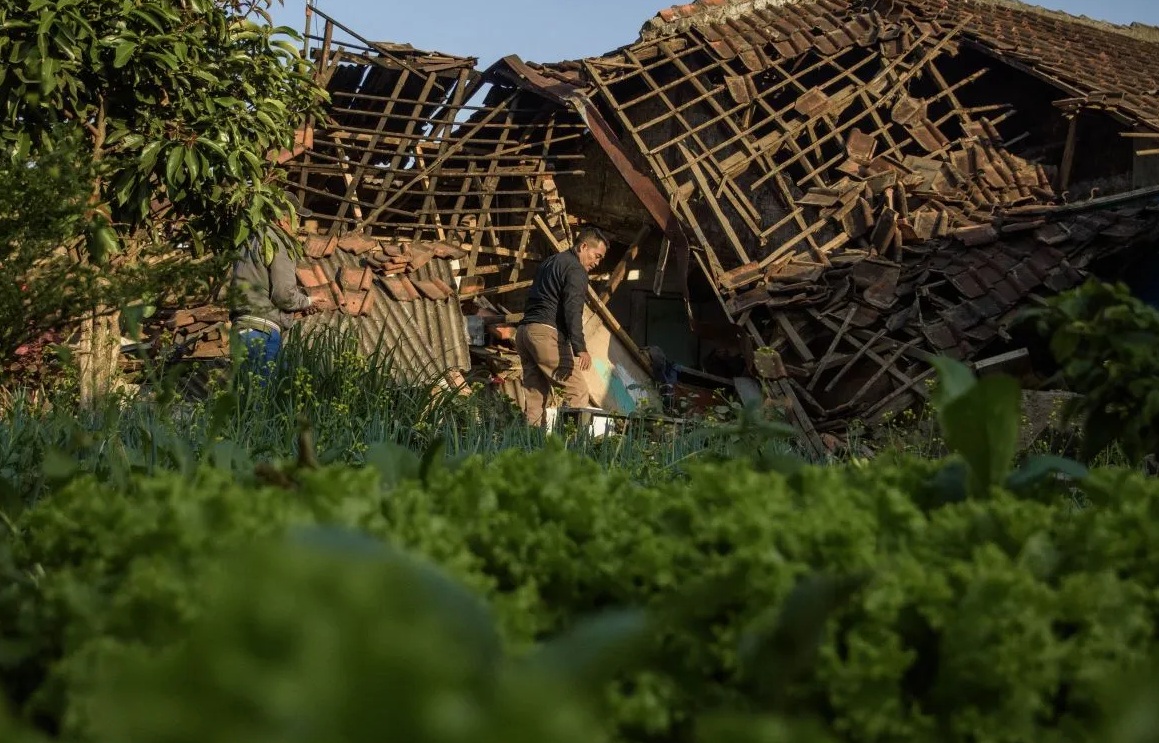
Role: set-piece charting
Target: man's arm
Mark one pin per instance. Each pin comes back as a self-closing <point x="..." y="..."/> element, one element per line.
<point x="574" y="294"/>
<point x="284" y="290"/>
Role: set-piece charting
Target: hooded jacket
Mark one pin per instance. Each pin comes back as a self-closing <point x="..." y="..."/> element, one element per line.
<point x="270" y="291"/>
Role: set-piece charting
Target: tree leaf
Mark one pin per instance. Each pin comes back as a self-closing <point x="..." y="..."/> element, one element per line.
<point x="149" y="156"/>
<point x="1038" y="469"/>
<point x="192" y="165"/>
<point x="124" y="50"/>
<point x="954" y="380"/>
<point x="173" y="165"/>
<point x="981" y="424"/>
<point x="596" y="650"/>
<point x="394" y="463"/>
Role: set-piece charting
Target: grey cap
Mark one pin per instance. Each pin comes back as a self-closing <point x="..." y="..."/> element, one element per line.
<point x="300" y="210"/>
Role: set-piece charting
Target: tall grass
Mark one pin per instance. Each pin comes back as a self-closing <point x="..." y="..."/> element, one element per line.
<point x="322" y="389"/>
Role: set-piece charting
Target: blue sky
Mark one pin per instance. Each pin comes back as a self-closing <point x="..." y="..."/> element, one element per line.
<point x="554" y="30"/>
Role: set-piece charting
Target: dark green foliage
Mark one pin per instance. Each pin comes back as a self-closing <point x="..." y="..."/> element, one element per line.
<point x="136" y="140"/>
<point x="979" y="419"/>
<point x="41" y="207"/>
<point x="335" y="647"/>
<point x="1107" y="345"/>
<point x="995" y="619"/>
<point x="43" y="284"/>
<point x="181" y="101"/>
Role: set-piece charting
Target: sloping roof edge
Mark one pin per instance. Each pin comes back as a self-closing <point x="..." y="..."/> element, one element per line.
<point x="678" y="18"/>
<point x="1141" y="31"/>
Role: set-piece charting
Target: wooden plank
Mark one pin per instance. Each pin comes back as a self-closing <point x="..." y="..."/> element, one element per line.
<point x="443" y="156"/>
<point x="794" y="338"/>
<point x="507" y="288"/>
<point x="532" y="211"/>
<point x="961" y="110"/>
<point x="885" y="368"/>
<point x="872" y="413"/>
<point x="661" y="266"/>
<point x="1001" y="362"/>
<point x="812" y="439"/>
<point x="749" y="391"/>
<point x="480" y="229"/>
<point x="792" y="242"/>
<point x="685" y="124"/>
<point x="787" y="194"/>
<point x="762" y="101"/>
<point x="864" y="349"/>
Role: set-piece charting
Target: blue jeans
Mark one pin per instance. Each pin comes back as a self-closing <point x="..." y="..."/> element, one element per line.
<point x="262" y="348"/>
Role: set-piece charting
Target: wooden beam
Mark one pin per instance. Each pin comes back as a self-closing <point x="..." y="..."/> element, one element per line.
<point x="706" y="192"/>
<point x="1068" y="152"/>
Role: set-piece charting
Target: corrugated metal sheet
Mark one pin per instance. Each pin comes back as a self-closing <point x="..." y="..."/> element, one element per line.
<point x="425" y="337"/>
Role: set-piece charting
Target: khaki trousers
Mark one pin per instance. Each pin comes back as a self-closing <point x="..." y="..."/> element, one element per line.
<point x="548" y="370"/>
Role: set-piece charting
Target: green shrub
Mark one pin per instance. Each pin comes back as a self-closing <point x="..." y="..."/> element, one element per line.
<point x="1106" y="343"/>
<point x="336" y="646"/>
<point x="103" y="568"/>
<point x="990" y="619"/>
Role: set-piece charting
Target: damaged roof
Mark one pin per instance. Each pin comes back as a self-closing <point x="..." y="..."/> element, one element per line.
<point x="853" y="186"/>
<point x="1116" y="65"/>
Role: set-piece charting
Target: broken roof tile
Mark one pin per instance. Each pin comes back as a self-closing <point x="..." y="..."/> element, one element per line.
<point x="976" y="235"/>
<point x="938" y="334"/>
<point x="860" y="146"/>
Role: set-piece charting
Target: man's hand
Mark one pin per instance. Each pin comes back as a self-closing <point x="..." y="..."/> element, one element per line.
<point x="583" y="361"/>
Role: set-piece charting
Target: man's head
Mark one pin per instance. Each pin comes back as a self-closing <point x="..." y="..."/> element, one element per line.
<point x="590" y="247"/>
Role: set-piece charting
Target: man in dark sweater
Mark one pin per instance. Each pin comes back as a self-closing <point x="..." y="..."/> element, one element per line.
<point x="550" y="338"/>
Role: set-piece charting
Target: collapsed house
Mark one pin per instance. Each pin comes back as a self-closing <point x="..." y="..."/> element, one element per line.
<point x="819" y="194"/>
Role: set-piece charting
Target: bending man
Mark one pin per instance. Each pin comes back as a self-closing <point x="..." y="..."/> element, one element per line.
<point x="267" y="297"/>
<point x="550" y="338"/>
